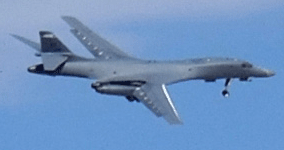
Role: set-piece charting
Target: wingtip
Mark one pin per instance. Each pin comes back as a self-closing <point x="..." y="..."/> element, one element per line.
<point x="179" y="122"/>
<point x="67" y="18"/>
<point x="63" y="17"/>
<point x="15" y="36"/>
<point x="176" y="121"/>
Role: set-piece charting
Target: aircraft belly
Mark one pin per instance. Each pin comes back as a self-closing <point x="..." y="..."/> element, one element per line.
<point x="81" y="69"/>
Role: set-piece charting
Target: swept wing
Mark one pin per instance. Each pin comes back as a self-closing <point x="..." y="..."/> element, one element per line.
<point x="156" y="98"/>
<point x="99" y="47"/>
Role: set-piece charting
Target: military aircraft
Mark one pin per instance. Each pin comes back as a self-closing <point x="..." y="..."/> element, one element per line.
<point x="117" y="73"/>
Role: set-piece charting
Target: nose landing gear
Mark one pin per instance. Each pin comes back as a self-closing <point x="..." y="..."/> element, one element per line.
<point x="226" y="92"/>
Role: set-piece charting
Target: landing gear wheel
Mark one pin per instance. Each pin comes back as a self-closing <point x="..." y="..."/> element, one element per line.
<point x="225" y="93"/>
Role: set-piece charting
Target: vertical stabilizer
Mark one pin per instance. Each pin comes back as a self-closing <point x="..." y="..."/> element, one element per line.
<point x="53" y="52"/>
<point x="51" y="44"/>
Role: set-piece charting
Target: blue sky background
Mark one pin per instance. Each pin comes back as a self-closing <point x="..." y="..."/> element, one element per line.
<point x="41" y="112"/>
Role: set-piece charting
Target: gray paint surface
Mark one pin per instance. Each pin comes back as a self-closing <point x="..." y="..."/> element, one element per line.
<point x="117" y="73"/>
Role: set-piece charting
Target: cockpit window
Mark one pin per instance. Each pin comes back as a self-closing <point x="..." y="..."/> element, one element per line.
<point x="246" y="65"/>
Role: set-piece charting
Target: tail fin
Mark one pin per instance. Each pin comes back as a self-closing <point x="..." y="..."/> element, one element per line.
<point x="51" y="44"/>
<point x="53" y="52"/>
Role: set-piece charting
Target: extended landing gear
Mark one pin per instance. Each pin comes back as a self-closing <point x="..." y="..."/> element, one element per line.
<point x="226" y="92"/>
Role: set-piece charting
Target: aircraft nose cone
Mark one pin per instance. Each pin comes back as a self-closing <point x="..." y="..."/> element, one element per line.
<point x="270" y="73"/>
<point x="262" y="72"/>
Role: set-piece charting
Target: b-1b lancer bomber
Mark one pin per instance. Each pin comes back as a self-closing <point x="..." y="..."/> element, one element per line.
<point x="117" y="73"/>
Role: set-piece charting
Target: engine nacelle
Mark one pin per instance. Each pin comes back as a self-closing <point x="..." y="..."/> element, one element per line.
<point x="117" y="88"/>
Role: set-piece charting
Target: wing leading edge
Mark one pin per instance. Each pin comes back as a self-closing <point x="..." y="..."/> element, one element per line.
<point x="157" y="99"/>
<point x="99" y="47"/>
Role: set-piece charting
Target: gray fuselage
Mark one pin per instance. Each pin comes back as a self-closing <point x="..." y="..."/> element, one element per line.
<point x="208" y="69"/>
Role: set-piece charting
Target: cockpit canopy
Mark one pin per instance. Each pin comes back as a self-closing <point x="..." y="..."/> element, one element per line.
<point x="246" y="65"/>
